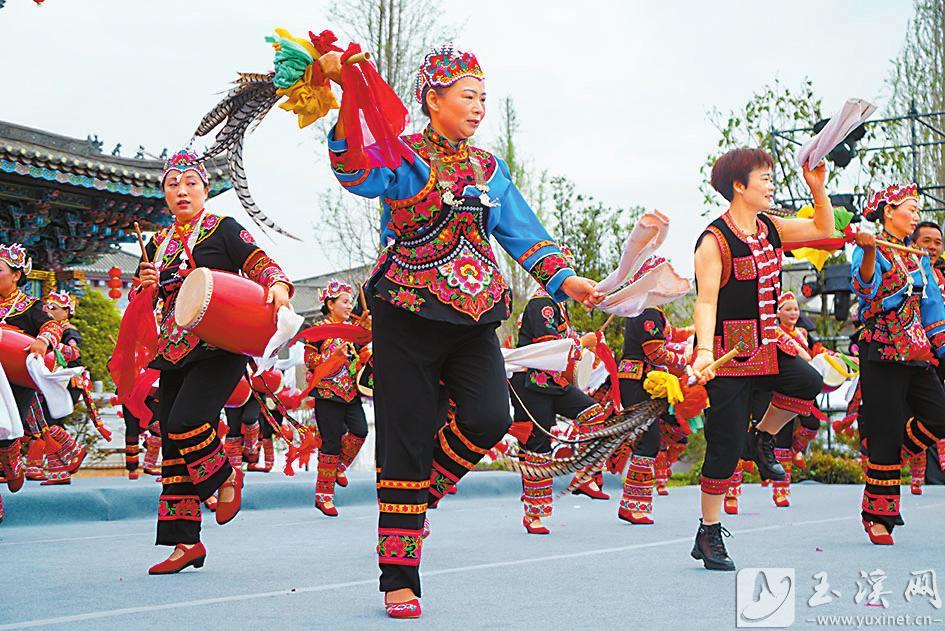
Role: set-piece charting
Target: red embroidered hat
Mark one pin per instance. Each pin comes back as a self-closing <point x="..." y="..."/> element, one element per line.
<point x="444" y="66"/>
<point x="894" y="194"/>
<point x="785" y="297"/>
<point x="334" y="289"/>
<point x="61" y="299"/>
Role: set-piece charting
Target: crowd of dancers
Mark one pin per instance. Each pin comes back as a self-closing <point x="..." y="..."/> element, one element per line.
<point x="419" y="336"/>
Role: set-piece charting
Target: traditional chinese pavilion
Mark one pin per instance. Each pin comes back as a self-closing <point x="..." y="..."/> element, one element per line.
<point x="68" y="203"/>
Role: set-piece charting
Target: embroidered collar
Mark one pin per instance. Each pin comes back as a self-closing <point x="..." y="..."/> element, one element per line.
<point x="894" y="239"/>
<point x="443" y="146"/>
<point x="760" y="233"/>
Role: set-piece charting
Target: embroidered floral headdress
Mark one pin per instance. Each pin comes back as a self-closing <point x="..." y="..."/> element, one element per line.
<point x="15" y="256"/>
<point x="184" y="161"/>
<point x="444" y="66"/>
<point x="335" y="289"/>
<point x="786" y="297"/>
<point x="61" y="299"/>
<point x="893" y="195"/>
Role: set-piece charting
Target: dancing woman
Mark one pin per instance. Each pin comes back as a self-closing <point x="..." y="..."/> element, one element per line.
<point x="24" y="313"/>
<point x="196" y="379"/>
<point x="437" y="297"/>
<point x="738" y="278"/>
<point x="904" y="331"/>
<point x="338" y="412"/>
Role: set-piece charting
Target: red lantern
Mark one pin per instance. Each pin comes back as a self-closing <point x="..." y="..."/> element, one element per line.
<point x="114" y="294"/>
<point x="114" y="282"/>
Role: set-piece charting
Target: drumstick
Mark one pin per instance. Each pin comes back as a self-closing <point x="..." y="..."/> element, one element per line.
<point x="363" y="300"/>
<point x="607" y="323"/>
<point x="901" y="248"/>
<point x="357" y="58"/>
<point x="144" y="253"/>
<point x="724" y="359"/>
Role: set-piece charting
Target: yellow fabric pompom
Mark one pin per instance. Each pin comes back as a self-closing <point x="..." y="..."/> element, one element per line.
<point x="662" y="385"/>
<point x="309" y="102"/>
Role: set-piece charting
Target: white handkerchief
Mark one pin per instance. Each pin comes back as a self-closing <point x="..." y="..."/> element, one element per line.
<point x="853" y="114"/>
<point x="53" y="385"/>
<point x="288" y="323"/>
<point x="11" y="426"/>
<point x="549" y="355"/>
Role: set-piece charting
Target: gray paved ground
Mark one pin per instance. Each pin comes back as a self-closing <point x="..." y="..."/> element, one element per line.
<point x="291" y="568"/>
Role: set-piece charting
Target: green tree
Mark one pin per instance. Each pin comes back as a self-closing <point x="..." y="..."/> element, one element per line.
<point x="97" y="319"/>
<point x="917" y="81"/>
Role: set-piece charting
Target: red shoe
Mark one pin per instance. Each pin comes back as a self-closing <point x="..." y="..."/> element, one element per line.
<point x="16" y="483"/>
<point x="56" y="482"/>
<point x="585" y="489"/>
<point x="77" y="461"/>
<point x="260" y="468"/>
<point x="33" y="477"/>
<point x="341" y="479"/>
<point x="451" y="490"/>
<point x="662" y="490"/>
<point x="227" y="510"/>
<point x="782" y="502"/>
<point x="916" y="489"/>
<point x="799" y="460"/>
<point x="882" y="539"/>
<point x="132" y="475"/>
<point x="409" y="609"/>
<point x="534" y="530"/>
<point x="327" y="511"/>
<point x="731" y="506"/>
<point x="628" y="516"/>
<point x="426" y="529"/>
<point x="765" y="483"/>
<point x="194" y="556"/>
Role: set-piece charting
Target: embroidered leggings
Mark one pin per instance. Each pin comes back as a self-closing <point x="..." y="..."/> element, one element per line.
<point x="194" y="464"/>
<point x="892" y="394"/>
<point x="411" y="356"/>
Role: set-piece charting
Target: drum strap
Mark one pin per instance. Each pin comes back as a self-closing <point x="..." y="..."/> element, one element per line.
<point x="171" y="235"/>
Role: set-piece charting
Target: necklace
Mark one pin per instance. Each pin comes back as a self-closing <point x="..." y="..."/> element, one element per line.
<point x="446" y="186"/>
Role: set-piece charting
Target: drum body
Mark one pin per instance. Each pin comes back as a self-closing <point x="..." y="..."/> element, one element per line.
<point x="13" y="357"/>
<point x="240" y="395"/>
<point x="226" y="311"/>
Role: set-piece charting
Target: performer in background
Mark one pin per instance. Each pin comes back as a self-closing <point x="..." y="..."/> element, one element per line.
<point x="21" y="312"/>
<point x="59" y="469"/>
<point x="928" y="236"/>
<point x="904" y="332"/>
<point x="738" y="279"/>
<point x="338" y="412"/>
<point x="437" y="297"/>
<point x="645" y="349"/>
<point x="545" y="395"/>
<point x="196" y="379"/>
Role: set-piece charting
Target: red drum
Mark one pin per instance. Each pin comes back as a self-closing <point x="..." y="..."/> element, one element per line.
<point x="240" y="395"/>
<point x="226" y="311"/>
<point x="13" y="357"/>
<point x="270" y="381"/>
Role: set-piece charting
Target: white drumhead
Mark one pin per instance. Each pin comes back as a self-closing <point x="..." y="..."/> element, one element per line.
<point x="193" y="298"/>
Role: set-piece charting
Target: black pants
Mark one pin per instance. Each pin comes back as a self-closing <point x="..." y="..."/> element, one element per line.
<point x="411" y="356"/>
<point x="631" y="393"/>
<point x="246" y="414"/>
<point x="903" y="407"/>
<point x="265" y="428"/>
<point x="133" y="432"/>
<point x="793" y="388"/>
<point x="544" y="408"/>
<point x="334" y="418"/>
<point x="194" y="465"/>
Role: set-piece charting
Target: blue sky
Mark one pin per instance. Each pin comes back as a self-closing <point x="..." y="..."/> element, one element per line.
<point x="612" y="95"/>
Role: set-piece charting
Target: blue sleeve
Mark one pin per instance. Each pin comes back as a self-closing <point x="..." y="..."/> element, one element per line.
<point x="363" y="182"/>
<point x="863" y="289"/>
<point x="522" y="235"/>
<point x="933" y="309"/>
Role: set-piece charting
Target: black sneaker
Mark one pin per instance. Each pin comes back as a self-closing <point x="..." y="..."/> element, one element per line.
<point x="761" y="449"/>
<point x="710" y="549"/>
